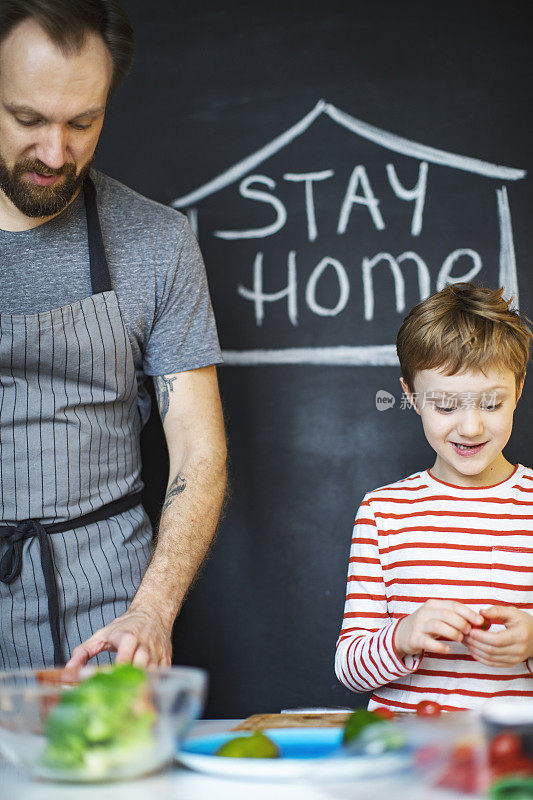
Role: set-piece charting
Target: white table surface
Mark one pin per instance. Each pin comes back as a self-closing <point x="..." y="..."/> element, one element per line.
<point x="179" y="783"/>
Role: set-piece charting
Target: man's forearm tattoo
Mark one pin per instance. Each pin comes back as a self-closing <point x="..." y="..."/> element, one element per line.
<point x="163" y="387"/>
<point x="177" y="486"/>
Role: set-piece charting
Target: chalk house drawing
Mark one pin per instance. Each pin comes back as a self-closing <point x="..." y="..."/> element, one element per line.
<point x="371" y="355"/>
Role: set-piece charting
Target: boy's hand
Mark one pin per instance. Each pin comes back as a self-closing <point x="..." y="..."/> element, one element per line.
<point x="504" y="648"/>
<point x="436" y="619"/>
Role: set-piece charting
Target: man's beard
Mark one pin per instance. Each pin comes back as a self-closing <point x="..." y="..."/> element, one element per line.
<point x="40" y="201"/>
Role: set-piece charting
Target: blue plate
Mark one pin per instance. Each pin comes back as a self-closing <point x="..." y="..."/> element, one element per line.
<point x="305" y="752"/>
<point x="292" y="742"/>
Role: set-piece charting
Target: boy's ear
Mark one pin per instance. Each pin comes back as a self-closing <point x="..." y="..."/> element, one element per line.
<point x="409" y="394"/>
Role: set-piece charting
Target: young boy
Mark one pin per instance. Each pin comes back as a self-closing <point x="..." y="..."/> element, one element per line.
<point x="432" y="551"/>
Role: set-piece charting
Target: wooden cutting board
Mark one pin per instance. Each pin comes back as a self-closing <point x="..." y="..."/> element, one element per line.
<point x="262" y="721"/>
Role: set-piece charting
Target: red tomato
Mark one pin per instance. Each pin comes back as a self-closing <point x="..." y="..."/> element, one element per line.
<point x="463" y="754"/>
<point x="485" y="625"/>
<point x="505" y="748"/>
<point x="467" y="781"/>
<point x="428" y="708"/>
<point x="513" y="766"/>
<point x="383" y="711"/>
<point x="461" y="771"/>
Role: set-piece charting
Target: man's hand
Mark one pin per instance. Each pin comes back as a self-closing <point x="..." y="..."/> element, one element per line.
<point x="436" y="619"/>
<point x="137" y="637"/>
<point x="503" y="648"/>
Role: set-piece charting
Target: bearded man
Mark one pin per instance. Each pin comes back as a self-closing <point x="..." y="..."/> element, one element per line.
<point x="100" y="287"/>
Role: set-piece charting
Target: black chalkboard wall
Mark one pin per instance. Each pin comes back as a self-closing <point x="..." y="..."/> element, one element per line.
<point x="305" y="141"/>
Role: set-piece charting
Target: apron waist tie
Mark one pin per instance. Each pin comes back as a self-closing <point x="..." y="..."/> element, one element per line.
<point x="14" y="537"/>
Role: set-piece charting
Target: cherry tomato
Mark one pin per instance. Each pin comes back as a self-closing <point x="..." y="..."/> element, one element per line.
<point x="461" y="771"/>
<point x="428" y="708"/>
<point x="466" y="780"/>
<point x="383" y="711"/>
<point x="486" y="624"/>
<point x="463" y="754"/>
<point x="505" y="748"/>
<point x="516" y="766"/>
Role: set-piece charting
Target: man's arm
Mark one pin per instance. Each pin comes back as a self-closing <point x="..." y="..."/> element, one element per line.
<point x="191" y="413"/>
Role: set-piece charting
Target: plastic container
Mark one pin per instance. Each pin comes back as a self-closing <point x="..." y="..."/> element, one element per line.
<point x="508" y="724"/>
<point x="57" y="732"/>
<point x="448" y="752"/>
<point x="443" y="752"/>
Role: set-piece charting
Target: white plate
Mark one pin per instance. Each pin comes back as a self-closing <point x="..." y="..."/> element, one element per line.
<point x="305" y="753"/>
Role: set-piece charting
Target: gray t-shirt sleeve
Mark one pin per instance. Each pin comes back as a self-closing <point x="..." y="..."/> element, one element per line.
<point x="183" y="335"/>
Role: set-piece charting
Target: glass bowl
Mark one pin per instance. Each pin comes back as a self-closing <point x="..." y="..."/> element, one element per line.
<point x="102" y="724"/>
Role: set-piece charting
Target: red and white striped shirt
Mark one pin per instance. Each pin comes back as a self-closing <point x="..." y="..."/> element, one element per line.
<point x="421" y="538"/>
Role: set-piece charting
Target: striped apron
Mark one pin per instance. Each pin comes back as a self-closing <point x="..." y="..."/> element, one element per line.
<point x="74" y="539"/>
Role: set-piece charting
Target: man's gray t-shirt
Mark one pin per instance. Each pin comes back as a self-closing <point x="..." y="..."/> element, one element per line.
<point x="156" y="271"/>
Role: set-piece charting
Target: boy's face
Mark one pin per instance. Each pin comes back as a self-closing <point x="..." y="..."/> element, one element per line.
<point x="467" y="419"/>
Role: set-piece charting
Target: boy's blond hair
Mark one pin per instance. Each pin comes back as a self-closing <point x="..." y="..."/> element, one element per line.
<point x="462" y="328"/>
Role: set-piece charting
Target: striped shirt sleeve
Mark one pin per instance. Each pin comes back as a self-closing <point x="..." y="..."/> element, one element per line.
<point x="365" y="655"/>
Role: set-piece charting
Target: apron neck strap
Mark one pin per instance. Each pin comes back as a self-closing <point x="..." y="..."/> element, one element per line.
<point x="100" y="278"/>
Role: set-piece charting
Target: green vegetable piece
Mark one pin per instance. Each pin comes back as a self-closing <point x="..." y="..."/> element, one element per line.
<point x="512" y="788"/>
<point x="63" y="721"/>
<point x="255" y="746"/>
<point x="105" y="721"/>
<point x="64" y="757"/>
<point x="358" y="720"/>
